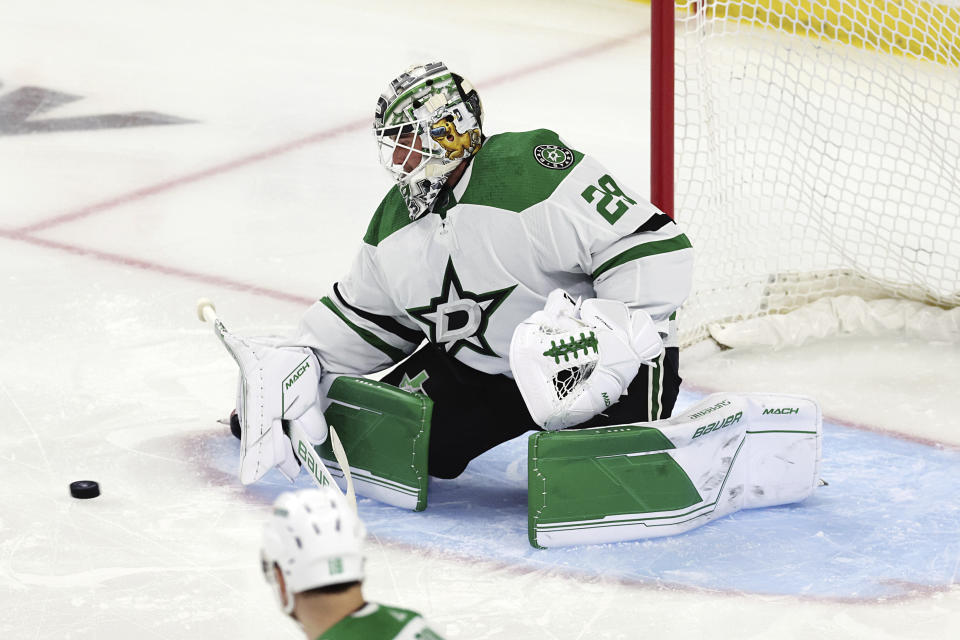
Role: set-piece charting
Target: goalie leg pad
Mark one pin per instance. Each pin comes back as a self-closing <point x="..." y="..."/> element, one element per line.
<point x="385" y="433"/>
<point x="730" y="452"/>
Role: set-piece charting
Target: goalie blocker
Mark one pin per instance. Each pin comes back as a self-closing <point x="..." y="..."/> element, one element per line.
<point x="729" y="452"/>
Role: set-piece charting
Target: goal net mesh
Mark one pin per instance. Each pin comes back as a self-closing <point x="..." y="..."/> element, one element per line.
<point x="817" y="154"/>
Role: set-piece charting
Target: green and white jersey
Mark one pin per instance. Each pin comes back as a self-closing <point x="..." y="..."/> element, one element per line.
<point x="529" y="215"/>
<point x="379" y="622"/>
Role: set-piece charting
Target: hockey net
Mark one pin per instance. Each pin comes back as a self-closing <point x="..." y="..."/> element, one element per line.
<point x="817" y="154"/>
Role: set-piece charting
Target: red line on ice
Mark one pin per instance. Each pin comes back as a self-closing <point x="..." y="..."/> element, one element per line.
<point x="26" y="233"/>
<point x="315" y="138"/>
<point x="209" y="172"/>
<point x="859" y="426"/>
<point x="144" y="265"/>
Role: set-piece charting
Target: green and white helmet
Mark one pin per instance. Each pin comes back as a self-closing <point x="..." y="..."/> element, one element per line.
<point x="428" y="121"/>
<point x="316" y="539"/>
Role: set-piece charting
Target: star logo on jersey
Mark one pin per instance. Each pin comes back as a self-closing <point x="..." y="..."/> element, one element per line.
<point x="415" y="384"/>
<point x="458" y="318"/>
<point x="553" y="156"/>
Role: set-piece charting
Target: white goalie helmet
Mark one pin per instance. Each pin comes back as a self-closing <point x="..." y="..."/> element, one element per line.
<point x="316" y="539"/>
<point x="428" y="121"/>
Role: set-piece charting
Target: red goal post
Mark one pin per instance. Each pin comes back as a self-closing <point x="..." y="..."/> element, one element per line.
<point x="661" y="104"/>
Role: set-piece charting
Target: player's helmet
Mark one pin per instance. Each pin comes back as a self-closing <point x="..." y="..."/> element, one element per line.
<point x="430" y="117"/>
<point x="316" y="538"/>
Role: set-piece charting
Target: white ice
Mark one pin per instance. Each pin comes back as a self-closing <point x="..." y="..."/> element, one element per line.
<point x="108" y="237"/>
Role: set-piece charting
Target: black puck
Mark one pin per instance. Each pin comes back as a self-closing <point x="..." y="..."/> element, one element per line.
<point x="84" y="489"/>
<point x="235" y="425"/>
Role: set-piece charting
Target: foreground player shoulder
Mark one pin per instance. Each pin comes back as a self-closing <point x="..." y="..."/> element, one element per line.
<point x="380" y="622"/>
<point x="516" y="170"/>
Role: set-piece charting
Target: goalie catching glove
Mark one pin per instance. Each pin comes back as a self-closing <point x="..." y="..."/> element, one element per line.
<point x="573" y="360"/>
<point x="278" y="383"/>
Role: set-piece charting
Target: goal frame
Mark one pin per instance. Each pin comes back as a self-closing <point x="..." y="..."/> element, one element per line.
<point x="844" y="241"/>
<point x="662" y="61"/>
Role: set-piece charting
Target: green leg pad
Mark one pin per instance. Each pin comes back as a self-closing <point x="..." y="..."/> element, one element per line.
<point x="385" y="433"/>
<point x="627" y="482"/>
<point x="587" y="478"/>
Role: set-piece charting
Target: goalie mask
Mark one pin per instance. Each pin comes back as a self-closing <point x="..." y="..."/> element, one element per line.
<point x="427" y="122"/>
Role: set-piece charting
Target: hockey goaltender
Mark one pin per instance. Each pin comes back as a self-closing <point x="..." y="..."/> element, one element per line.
<point x="547" y="291"/>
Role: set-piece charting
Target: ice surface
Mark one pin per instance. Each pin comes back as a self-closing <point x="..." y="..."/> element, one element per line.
<point x="896" y="520"/>
<point x="108" y="237"/>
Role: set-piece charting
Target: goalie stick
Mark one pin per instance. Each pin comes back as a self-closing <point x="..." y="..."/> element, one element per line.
<point x="302" y="446"/>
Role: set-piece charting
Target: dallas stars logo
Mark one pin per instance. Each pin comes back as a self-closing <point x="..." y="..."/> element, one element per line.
<point x="459" y="318"/>
<point x="415" y="384"/>
<point x="553" y="156"/>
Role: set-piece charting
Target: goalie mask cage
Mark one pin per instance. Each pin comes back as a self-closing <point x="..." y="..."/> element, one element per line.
<point x="809" y="149"/>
